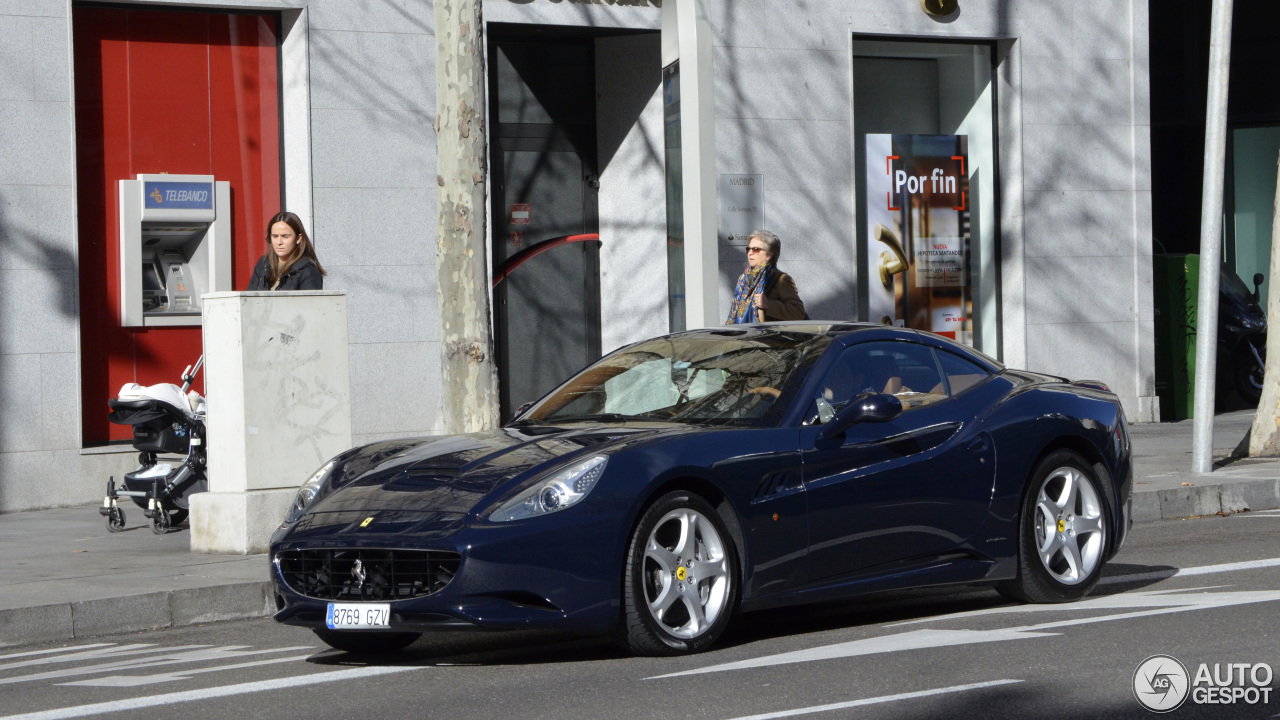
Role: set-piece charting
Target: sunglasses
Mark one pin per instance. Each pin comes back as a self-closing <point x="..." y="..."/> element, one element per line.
<point x="755" y="250"/>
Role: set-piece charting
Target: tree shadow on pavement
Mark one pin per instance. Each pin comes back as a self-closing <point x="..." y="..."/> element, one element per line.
<point x="454" y="647"/>
<point x="466" y="647"/>
<point x="1123" y="577"/>
<point x="870" y="610"/>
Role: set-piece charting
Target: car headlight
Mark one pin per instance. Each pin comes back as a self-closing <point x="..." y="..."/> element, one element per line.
<point x="557" y="492"/>
<point x="308" y="492"/>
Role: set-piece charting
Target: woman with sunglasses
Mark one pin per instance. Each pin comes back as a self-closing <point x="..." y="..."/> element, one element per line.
<point x="764" y="292"/>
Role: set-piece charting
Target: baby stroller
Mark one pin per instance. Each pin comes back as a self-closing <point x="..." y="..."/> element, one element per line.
<point x="165" y="419"/>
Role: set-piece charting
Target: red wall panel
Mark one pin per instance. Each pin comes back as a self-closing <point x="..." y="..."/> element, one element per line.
<point x="176" y="92"/>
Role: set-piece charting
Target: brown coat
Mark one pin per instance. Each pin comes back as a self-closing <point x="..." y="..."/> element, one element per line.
<point x="782" y="299"/>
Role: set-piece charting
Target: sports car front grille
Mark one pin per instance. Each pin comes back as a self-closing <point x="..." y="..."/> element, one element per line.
<point x="365" y="574"/>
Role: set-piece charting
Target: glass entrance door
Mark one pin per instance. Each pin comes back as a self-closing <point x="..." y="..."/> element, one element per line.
<point x="925" y="170"/>
<point x="543" y="158"/>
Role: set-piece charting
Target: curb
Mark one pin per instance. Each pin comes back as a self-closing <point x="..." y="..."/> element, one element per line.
<point x="168" y="608"/>
<point x="1200" y="500"/>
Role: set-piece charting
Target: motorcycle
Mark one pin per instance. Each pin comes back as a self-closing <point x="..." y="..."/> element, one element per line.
<point x="165" y="418"/>
<point x="1242" y="336"/>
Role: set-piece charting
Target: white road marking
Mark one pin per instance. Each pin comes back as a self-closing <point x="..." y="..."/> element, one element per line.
<point x="167" y="656"/>
<point x="126" y="681"/>
<point x="1188" y="572"/>
<point x="1096" y="601"/>
<point x="207" y="693"/>
<point x="111" y="651"/>
<point x="877" y="700"/>
<point x="914" y="640"/>
<point x="55" y="650"/>
<point x="1175" y="591"/>
<point x="1160" y="603"/>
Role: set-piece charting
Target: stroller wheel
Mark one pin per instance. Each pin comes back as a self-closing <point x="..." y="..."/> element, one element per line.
<point x="160" y="522"/>
<point x="115" y="519"/>
<point x="176" y="518"/>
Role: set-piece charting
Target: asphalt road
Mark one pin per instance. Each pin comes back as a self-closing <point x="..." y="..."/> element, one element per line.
<point x="953" y="653"/>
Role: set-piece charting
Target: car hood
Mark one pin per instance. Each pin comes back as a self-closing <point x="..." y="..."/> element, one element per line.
<point x="455" y="474"/>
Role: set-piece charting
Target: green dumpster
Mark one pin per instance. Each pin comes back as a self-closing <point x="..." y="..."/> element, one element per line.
<point x="1177" y="284"/>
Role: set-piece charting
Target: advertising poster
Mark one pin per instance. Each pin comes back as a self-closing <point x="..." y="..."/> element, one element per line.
<point x="918" y="239"/>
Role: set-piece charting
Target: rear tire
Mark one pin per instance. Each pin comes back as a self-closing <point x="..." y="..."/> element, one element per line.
<point x="1062" y="532"/>
<point x="680" y="585"/>
<point x="366" y="643"/>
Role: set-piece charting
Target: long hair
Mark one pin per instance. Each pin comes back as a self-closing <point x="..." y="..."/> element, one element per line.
<point x="304" y="248"/>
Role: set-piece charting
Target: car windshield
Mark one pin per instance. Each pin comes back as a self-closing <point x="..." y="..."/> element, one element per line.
<point x="721" y="377"/>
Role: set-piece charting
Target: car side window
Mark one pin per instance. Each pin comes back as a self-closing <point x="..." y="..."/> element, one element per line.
<point x="961" y="374"/>
<point x="905" y="370"/>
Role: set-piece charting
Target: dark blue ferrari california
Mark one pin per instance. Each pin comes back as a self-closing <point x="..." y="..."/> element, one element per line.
<point x="685" y="478"/>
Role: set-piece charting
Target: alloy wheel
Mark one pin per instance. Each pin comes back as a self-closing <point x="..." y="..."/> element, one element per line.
<point x="686" y="573"/>
<point x="1069" y="533"/>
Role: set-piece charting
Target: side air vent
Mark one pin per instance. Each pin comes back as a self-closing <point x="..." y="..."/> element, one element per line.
<point x="777" y="482"/>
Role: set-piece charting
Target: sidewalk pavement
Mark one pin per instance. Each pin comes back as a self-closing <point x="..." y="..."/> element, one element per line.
<point x="66" y="577"/>
<point x="1164" y="486"/>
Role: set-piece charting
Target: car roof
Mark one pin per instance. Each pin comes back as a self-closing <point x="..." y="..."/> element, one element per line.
<point x="847" y="333"/>
<point x="812" y="327"/>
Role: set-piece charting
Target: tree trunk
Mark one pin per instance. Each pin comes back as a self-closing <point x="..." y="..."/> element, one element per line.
<point x="1264" y="438"/>
<point x="469" y="380"/>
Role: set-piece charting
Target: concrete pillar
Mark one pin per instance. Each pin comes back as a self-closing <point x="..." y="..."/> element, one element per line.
<point x="279" y="399"/>
<point x="686" y="36"/>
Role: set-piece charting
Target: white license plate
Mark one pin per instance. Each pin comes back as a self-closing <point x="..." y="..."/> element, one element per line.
<point x="355" y="616"/>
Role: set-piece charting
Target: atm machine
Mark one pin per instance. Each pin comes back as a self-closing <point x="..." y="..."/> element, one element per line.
<point x="175" y="245"/>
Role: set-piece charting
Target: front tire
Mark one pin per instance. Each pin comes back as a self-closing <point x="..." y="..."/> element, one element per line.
<point x="366" y="643"/>
<point x="115" y="519"/>
<point x="1062" y="532"/>
<point x="1249" y="372"/>
<point x="681" y="578"/>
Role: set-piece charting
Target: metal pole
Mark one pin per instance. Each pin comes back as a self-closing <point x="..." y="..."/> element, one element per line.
<point x="1215" y="151"/>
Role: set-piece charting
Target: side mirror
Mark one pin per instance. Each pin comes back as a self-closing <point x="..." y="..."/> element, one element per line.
<point x="867" y="407"/>
<point x="1257" y="281"/>
<point x="520" y="410"/>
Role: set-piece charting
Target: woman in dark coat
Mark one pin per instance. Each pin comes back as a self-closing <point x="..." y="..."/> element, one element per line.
<point x="764" y="292"/>
<point x="290" y="261"/>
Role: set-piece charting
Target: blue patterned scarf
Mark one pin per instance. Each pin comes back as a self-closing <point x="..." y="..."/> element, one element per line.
<point x="753" y="280"/>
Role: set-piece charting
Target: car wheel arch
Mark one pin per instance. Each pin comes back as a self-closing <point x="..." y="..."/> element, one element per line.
<point x="706" y="490"/>
<point x="1094" y="459"/>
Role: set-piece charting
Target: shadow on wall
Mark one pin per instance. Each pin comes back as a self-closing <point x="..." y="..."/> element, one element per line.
<point x="24" y="247"/>
<point x="1081" y="257"/>
<point x="810" y="217"/>
<point x="26" y="250"/>
<point x="1077" y="244"/>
